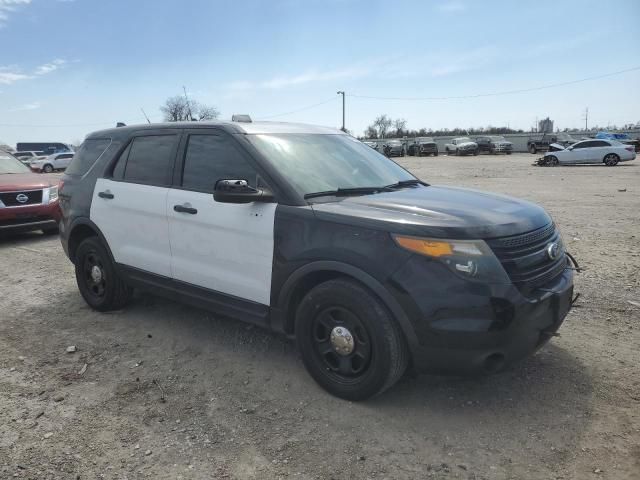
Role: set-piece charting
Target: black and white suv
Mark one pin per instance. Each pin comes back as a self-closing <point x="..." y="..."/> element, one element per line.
<point x="309" y="232"/>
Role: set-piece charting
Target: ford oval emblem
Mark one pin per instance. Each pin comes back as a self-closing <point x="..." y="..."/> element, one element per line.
<point x="553" y="250"/>
<point x="22" y="198"/>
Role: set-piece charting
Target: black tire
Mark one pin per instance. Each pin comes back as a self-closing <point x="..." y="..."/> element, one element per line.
<point x="447" y="151"/>
<point x="457" y="152"/>
<point x="379" y="355"/>
<point x="475" y="152"/>
<point x="508" y="152"/>
<point x="492" y="151"/>
<point x="552" y="161"/>
<point x="532" y="149"/>
<point x="109" y="292"/>
<point x="435" y="154"/>
<point x="611" y="159"/>
<point x="47" y="168"/>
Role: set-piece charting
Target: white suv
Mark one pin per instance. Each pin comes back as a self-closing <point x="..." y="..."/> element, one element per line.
<point x="57" y="161"/>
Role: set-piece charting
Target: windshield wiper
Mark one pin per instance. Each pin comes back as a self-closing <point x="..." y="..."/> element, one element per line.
<point x="348" y="191"/>
<point x="406" y="183"/>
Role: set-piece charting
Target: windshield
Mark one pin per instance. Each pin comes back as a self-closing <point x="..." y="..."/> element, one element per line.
<point x="319" y="163"/>
<point x="8" y="164"/>
<point x="425" y="139"/>
<point x="463" y="139"/>
<point x="497" y="139"/>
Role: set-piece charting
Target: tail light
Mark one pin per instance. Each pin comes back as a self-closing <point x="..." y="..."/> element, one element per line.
<point x="630" y="149"/>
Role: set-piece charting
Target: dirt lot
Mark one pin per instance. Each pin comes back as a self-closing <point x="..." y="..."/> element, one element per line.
<point x="239" y="404"/>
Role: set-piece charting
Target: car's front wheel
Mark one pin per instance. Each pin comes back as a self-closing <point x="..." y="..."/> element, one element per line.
<point x="97" y="278"/>
<point x="532" y="149"/>
<point x="349" y="342"/>
<point x="552" y="161"/>
<point x="611" y="159"/>
<point x="47" y="168"/>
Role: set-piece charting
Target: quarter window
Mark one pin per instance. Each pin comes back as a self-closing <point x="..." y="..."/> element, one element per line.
<point x="87" y="155"/>
<point x="210" y="158"/>
<point x="150" y="160"/>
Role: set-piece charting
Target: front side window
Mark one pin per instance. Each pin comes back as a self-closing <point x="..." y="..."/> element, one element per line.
<point x="318" y="163"/>
<point x="150" y="160"/>
<point x="210" y="158"/>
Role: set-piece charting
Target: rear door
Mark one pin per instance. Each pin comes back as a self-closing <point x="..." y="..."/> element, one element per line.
<point x="130" y="207"/>
<point x="62" y="160"/>
<point x="224" y="247"/>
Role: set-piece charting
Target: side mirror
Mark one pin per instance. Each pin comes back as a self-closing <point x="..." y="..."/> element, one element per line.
<point x="239" y="191"/>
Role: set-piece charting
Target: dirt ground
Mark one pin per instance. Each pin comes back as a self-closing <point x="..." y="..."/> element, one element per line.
<point x="172" y="392"/>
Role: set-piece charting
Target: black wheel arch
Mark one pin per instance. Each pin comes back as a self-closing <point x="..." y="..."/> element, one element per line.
<point x="80" y="229"/>
<point x="308" y="276"/>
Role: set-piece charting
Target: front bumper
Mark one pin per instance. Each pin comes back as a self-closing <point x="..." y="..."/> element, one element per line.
<point x="467" y="328"/>
<point x="29" y="217"/>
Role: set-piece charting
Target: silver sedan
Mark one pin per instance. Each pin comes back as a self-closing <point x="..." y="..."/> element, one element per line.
<point x="609" y="152"/>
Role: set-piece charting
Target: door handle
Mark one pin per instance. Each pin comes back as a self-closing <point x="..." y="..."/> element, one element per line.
<point x="185" y="209"/>
<point x="106" y="194"/>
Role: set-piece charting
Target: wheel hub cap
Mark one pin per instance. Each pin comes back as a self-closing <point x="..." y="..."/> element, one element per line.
<point x="342" y="340"/>
<point x="96" y="274"/>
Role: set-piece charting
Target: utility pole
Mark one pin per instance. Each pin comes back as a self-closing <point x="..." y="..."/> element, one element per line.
<point x="343" y="126"/>
<point x="188" y="104"/>
<point x="586" y="119"/>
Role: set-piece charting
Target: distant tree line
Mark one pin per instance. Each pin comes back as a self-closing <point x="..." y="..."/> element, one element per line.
<point x="180" y="108"/>
<point x="384" y="127"/>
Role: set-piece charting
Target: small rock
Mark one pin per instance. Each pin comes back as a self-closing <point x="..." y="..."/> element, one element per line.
<point x="622" y="189"/>
<point x="361" y="458"/>
<point x="83" y="369"/>
<point x="48" y="435"/>
<point x="597" y="470"/>
<point x="137" y="447"/>
<point x="72" y="349"/>
<point x="21" y="358"/>
<point x="58" y="398"/>
<point x="39" y="414"/>
<point x="148" y="452"/>
<point x="12" y="369"/>
<point x="462" y="466"/>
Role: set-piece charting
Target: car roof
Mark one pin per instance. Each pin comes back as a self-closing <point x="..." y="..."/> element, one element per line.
<point x="251" y="128"/>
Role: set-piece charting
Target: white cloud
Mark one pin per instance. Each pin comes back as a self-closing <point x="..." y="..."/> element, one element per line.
<point x="452" y="7"/>
<point x="26" y="106"/>
<point x="49" y="67"/>
<point x="7" y="76"/>
<point x="9" y="6"/>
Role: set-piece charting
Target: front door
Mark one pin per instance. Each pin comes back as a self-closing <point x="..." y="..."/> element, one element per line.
<point x="130" y="208"/>
<point x="227" y="248"/>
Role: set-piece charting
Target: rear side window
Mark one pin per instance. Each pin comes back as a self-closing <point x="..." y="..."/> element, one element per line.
<point x="150" y="160"/>
<point x="210" y="158"/>
<point x="87" y="155"/>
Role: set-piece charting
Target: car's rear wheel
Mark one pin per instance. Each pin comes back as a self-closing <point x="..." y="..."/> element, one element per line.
<point x="98" y="282"/>
<point x="349" y="342"/>
<point x="457" y="152"/>
<point x="435" y="154"/>
<point x="47" y="168"/>
<point x="475" y="152"/>
<point x="532" y="149"/>
<point x="611" y="159"/>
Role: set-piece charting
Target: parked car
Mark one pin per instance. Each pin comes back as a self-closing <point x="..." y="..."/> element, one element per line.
<point x="28" y="156"/>
<point x="620" y="137"/>
<point x="609" y="152"/>
<point x="494" y="144"/>
<point x="306" y="231"/>
<point x="461" y="146"/>
<point x="394" y="148"/>
<point x="423" y="146"/>
<point x="373" y="145"/>
<point x="48" y="147"/>
<point x="541" y="143"/>
<point x="57" y="161"/>
<point x="27" y="201"/>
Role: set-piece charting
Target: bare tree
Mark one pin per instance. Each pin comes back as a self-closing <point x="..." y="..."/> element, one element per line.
<point x="400" y="124"/>
<point x="179" y="108"/>
<point x="382" y="125"/>
<point x="371" y="132"/>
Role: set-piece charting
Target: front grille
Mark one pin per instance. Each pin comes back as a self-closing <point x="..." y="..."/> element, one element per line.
<point x="525" y="258"/>
<point x="10" y="199"/>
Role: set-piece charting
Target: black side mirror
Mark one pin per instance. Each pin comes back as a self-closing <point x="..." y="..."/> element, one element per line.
<point x="239" y="191"/>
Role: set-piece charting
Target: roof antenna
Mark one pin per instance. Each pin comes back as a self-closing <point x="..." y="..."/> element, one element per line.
<point x="145" y="115"/>
<point x="120" y="124"/>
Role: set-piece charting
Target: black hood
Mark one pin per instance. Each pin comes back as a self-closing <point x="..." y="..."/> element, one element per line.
<point x="444" y="212"/>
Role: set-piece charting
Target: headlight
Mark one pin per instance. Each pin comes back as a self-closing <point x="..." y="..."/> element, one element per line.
<point x="53" y="194"/>
<point x="470" y="259"/>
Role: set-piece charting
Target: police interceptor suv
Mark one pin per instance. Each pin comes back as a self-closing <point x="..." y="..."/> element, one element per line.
<point x="307" y="231"/>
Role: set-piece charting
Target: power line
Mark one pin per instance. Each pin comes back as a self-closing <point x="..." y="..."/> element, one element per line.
<point x="308" y="107"/>
<point x="506" y="92"/>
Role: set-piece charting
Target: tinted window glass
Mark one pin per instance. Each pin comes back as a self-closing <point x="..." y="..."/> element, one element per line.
<point x="66" y="155"/>
<point x="87" y="155"/>
<point x="151" y="160"/>
<point x="599" y="143"/>
<point x="582" y="145"/>
<point x="118" y="170"/>
<point x="210" y="158"/>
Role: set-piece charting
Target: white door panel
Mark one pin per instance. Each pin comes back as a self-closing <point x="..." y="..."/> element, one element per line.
<point x="224" y="247"/>
<point x="134" y="223"/>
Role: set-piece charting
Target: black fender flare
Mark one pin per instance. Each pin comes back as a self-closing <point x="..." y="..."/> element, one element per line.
<point x="85" y="221"/>
<point x="280" y="313"/>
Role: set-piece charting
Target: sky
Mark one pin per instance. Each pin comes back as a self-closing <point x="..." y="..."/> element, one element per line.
<point x="69" y="67"/>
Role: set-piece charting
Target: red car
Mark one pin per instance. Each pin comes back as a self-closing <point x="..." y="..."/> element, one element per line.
<point x="28" y="201"/>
